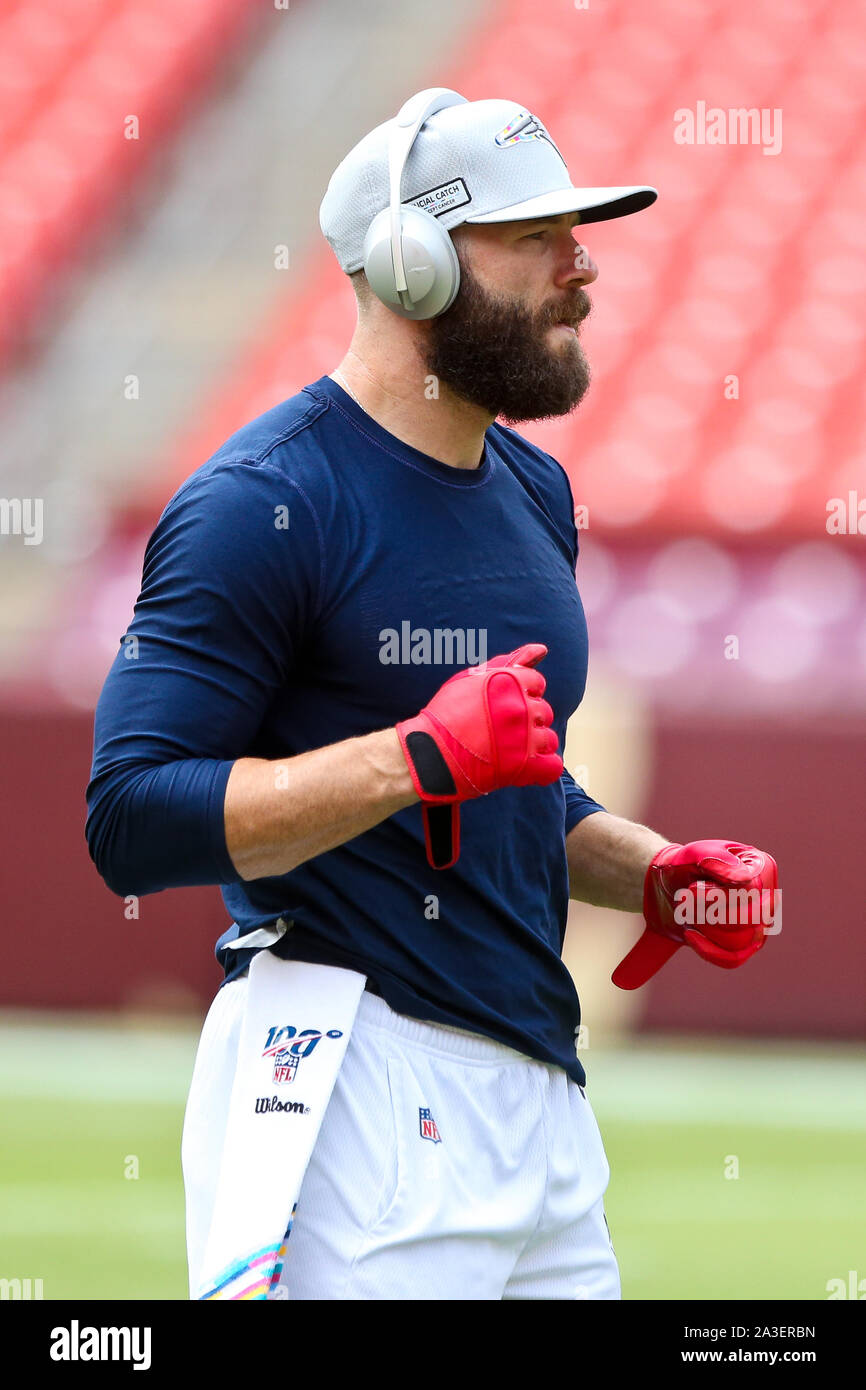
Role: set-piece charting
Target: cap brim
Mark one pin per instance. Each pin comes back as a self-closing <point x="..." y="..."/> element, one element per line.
<point x="593" y="204"/>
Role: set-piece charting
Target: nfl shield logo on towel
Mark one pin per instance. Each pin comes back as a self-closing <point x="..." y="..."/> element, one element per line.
<point x="428" y="1127"/>
<point x="285" y="1066"/>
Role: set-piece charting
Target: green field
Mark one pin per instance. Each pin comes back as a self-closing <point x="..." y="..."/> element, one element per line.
<point x="82" y="1105"/>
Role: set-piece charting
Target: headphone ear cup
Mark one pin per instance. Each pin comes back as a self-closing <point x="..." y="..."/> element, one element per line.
<point x="429" y="260"/>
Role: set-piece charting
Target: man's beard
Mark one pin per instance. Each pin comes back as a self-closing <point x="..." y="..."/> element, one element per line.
<point x="501" y="356"/>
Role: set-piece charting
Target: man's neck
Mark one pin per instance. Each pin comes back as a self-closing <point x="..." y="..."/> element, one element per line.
<point x="417" y="409"/>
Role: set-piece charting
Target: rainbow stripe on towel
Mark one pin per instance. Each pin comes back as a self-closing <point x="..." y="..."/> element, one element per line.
<point x="254" y="1277"/>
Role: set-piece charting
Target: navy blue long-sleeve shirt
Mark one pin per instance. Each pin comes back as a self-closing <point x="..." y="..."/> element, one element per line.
<point x="319" y="579"/>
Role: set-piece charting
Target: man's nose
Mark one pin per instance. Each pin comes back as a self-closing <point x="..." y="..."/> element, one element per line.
<point x="584" y="269"/>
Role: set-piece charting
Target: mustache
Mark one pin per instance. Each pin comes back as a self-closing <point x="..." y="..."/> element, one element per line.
<point x="574" y="314"/>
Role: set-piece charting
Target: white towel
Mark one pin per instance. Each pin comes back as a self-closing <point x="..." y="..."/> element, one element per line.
<point x="296" y="1026"/>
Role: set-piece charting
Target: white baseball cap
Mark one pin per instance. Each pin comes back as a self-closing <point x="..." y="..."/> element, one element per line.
<point x="476" y="161"/>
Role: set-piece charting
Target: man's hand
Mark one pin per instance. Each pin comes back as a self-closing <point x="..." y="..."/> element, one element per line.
<point x="485" y="728"/>
<point x="672" y="900"/>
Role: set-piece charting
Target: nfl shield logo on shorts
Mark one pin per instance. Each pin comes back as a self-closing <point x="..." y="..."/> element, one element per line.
<point x="427" y="1126"/>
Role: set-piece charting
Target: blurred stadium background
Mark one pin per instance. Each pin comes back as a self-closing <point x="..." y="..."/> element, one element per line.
<point x="164" y="280"/>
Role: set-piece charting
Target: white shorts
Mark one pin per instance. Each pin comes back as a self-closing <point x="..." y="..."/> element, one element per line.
<point x="447" y="1167"/>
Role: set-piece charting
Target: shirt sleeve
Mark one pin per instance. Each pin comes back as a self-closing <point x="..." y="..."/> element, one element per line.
<point x="230" y="584"/>
<point x="578" y="803"/>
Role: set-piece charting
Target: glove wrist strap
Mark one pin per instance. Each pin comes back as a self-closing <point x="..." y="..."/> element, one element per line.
<point x="437" y="789"/>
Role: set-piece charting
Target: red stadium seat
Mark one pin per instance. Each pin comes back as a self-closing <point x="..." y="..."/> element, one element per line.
<point x="68" y="81"/>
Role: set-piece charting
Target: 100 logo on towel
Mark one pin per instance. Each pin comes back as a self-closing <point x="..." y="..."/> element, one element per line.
<point x="287" y="1048"/>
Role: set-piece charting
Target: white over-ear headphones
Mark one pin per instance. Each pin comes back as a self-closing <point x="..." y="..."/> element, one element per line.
<point x="409" y="258"/>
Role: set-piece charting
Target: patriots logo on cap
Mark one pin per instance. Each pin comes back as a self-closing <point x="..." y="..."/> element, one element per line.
<point x="524" y="126"/>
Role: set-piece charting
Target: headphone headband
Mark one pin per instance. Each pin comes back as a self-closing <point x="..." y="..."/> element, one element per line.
<point x="409" y="259"/>
<point x="409" y="120"/>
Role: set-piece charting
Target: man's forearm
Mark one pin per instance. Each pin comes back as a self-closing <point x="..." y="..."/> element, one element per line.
<point x="607" y="860"/>
<point x="277" y="814"/>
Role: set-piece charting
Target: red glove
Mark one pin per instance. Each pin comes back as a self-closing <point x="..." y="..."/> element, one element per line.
<point x="736" y="928"/>
<point x="485" y="728"/>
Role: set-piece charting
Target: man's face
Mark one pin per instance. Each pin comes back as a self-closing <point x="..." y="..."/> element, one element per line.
<point x="501" y="345"/>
